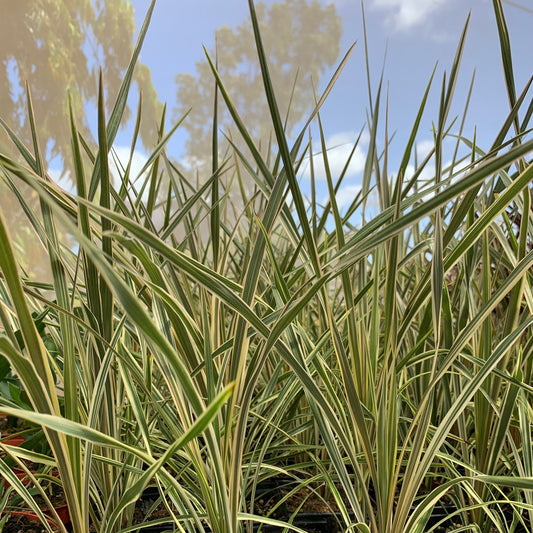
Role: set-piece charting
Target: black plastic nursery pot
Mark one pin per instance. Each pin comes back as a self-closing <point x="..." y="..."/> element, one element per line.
<point x="164" y="527"/>
<point x="309" y="522"/>
<point x="270" y="490"/>
<point x="441" y="514"/>
<point x="149" y="497"/>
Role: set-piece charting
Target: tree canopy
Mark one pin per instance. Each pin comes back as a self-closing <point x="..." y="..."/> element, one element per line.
<point x="58" y="48"/>
<point x="301" y="38"/>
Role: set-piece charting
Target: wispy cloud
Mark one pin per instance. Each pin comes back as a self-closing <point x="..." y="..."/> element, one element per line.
<point x="345" y="195"/>
<point x="118" y="160"/>
<point x="406" y="14"/>
<point x="424" y="147"/>
<point x="117" y="165"/>
<point x="339" y="147"/>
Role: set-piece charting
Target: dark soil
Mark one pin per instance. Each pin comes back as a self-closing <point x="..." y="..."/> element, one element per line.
<point x="10" y="425"/>
<point x="306" y="508"/>
<point x="307" y="501"/>
<point x="22" y="524"/>
<point x="147" y="508"/>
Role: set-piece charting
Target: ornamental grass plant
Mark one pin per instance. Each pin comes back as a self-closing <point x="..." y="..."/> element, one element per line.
<point x="205" y="344"/>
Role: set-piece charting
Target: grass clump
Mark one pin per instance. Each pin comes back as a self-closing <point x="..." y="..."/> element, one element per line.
<point x="206" y="344"/>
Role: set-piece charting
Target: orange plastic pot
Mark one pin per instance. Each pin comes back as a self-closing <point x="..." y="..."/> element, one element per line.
<point x="62" y="512"/>
<point x="15" y="440"/>
<point x="31" y="516"/>
<point x="20" y="474"/>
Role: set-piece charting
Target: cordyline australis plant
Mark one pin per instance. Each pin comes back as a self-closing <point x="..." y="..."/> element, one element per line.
<point x="384" y="370"/>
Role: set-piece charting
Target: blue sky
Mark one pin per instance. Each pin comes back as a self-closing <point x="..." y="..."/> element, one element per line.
<point x="416" y="34"/>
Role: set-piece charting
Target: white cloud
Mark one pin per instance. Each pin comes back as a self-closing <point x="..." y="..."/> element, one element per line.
<point x="118" y="160"/>
<point x="406" y="14"/>
<point x="117" y="169"/>
<point x="63" y="179"/>
<point x="426" y="176"/>
<point x="423" y="148"/>
<point x="336" y="3"/>
<point x="339" y="147"/>
<point x="346" y="195"/>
